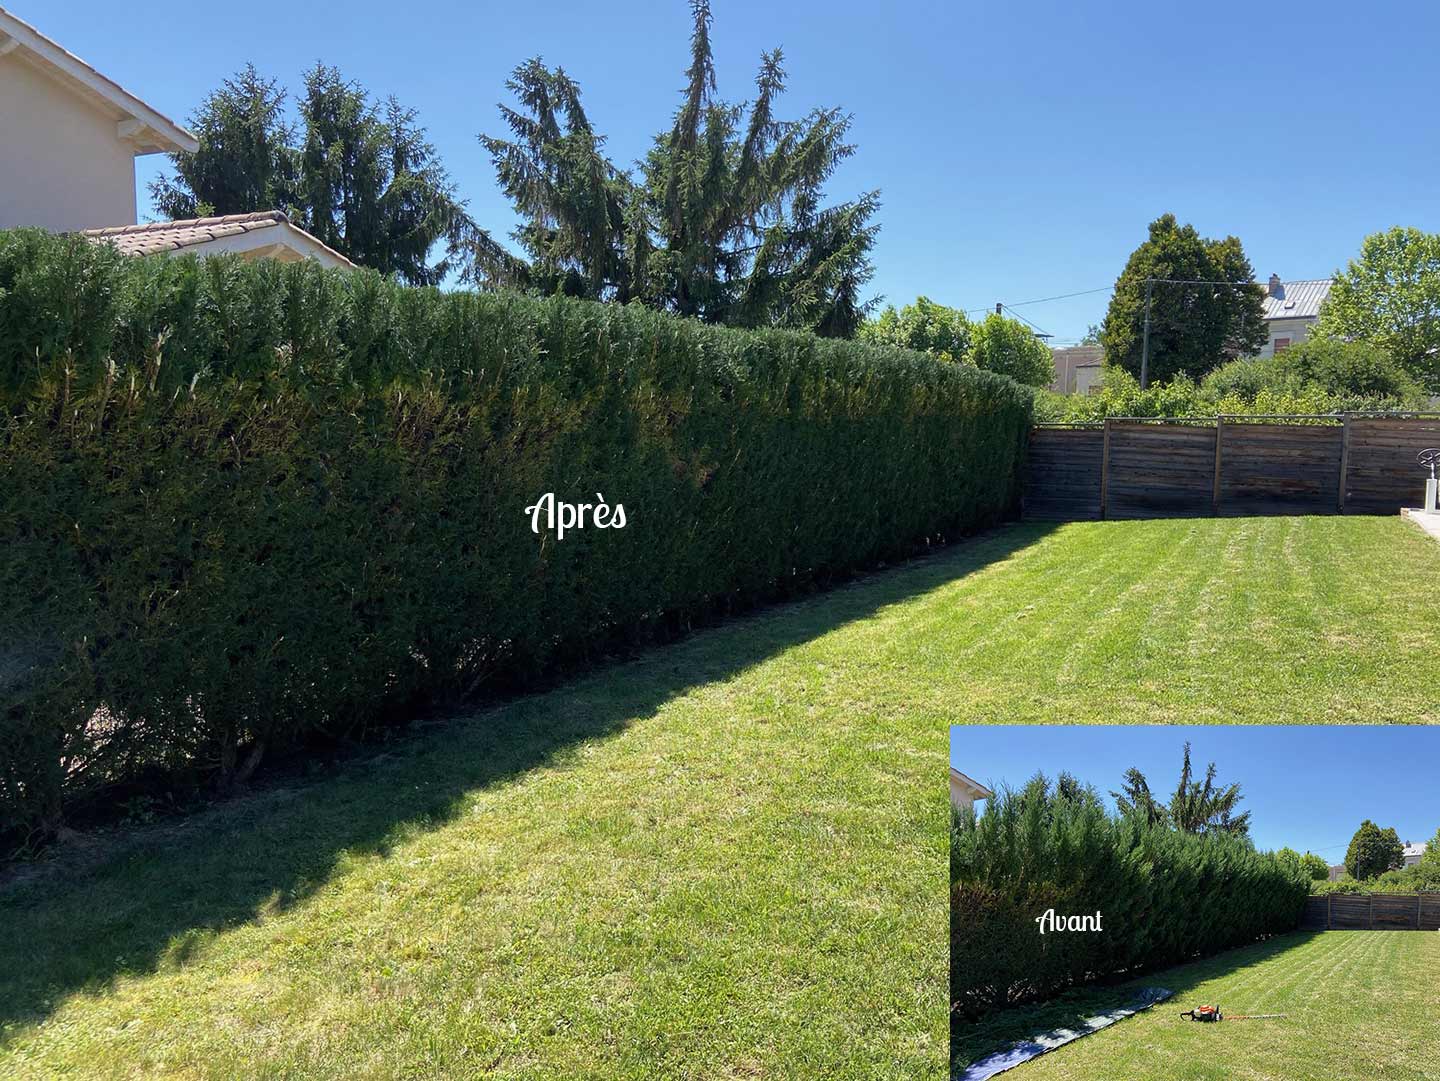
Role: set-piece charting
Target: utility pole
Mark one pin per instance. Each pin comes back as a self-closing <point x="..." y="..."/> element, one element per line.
<point x="1145" y="338"/>
<point x="998" y="306"/>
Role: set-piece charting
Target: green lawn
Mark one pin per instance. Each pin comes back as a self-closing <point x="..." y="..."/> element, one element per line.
<point x="724" y="860"/>
<point x="1362" y="1005"/>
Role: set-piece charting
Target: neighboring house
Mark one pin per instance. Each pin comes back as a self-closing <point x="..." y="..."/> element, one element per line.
<point x="1291" y="309"/>
<point x="70" y="137"/>
<point x="1077" y="369"/>
<point x="267" y="234"/>
<point x="1414" y="852"/>
<point x="964" y="792"/>
<point x="1337" y="872"/>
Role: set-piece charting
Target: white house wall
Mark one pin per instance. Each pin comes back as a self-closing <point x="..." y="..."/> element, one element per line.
<point x="1297" y="330"/>
<point x="62" y="163"/>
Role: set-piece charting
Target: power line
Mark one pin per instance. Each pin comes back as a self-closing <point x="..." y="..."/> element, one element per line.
<point x="1038" y="332"/>
<point x="1062" y="296"/>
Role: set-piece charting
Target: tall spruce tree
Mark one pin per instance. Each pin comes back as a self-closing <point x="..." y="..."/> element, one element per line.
<point x="363" y="178"/>
<point x="247" y="159"/>
<point x="1193" y="328"/>
<point x="724" y="220"/>
<point x="1195" y="806"/>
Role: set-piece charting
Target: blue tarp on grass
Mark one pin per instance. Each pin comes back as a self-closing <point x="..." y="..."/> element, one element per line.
<point x="1025" y="1050"/>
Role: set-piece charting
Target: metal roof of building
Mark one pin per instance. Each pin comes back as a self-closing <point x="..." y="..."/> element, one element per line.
<point x="1297" y="300"/>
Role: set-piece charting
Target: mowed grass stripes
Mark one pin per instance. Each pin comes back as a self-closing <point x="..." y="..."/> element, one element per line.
<point x="1362" y="1005"/>
<point x="726" y="859"/>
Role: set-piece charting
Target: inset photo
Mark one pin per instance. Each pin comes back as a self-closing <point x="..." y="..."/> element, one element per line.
<point x="1145" y="904"/>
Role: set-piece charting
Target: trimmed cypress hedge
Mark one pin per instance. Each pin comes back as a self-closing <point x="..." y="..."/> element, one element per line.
<point x="1165" y="896"/>
<point x="246" y="505"/>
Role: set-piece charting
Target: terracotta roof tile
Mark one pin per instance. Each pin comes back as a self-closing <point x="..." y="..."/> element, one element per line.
<point x="160" y="236"/>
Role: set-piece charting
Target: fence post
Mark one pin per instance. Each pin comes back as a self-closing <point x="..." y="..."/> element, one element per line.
<point x="1105" y="469"/>
<point x="1215" y="494"/>
<point x="1344" y="460"/>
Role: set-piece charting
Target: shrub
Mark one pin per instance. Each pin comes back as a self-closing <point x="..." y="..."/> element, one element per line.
<point x="924" y="326"/>
<point x="1010" y="347"/>
<point x="1339" y="369"/>
<point x="247" y="505"/>
<point x="1165" y="896"/>
<point x="1254" y="387"/>
<point x="1315" y="868"/>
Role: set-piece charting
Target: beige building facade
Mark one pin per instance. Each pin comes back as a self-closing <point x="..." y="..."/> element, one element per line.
<point x="69" y="137"/>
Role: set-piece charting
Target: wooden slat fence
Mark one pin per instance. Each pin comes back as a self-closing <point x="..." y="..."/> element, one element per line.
<point x="1131" y="468"/>
<point x="1372" y="912"/>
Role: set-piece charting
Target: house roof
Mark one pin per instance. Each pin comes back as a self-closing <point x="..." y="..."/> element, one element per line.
<point x="147" y="129"/>
<point x="976" y="789"/>
<point x="1415" y="850"/>
<point x="168" y="236"/>
<point x="1297" y="300"/>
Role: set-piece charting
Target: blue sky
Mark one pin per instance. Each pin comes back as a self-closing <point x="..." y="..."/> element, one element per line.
<point x="1020" y="148"/>
<point x="1308" y="787"/>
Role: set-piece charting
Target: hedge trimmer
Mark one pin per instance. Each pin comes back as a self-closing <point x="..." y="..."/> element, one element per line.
<point x="1212" y="1013"/>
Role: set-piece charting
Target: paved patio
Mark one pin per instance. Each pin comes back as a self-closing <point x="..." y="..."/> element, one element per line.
<point x="1426" y="520"/>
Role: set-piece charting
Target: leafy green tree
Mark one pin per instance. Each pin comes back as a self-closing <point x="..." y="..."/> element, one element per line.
<point x="924" y="326"/>
<point x="1315" y="867"/>
<point x="723" y="221"/>
<point x="1373" y="851"/>
<point x="1092" y="335"/>
<point x="1390" y="296"/>
<point x="1009" y="347"/>
<point x="1431" y="856"/>
<point x="363" y="178"/>
<point x="1193" y="328"/>
<point x="246" y="161"/>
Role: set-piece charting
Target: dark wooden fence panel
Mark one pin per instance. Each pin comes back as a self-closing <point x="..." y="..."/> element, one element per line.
<point x="1156" y="469"/>
<point x="1382" y="474"/>
<point x="1062" y="473"/>
<point x="1279" y="468"/>
<point x="1160" y="470"/>
<point x="1372" y="912"/>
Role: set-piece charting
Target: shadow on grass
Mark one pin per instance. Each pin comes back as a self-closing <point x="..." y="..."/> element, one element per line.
<point x="150" y="904"/>
<point x="971" y="1041"/>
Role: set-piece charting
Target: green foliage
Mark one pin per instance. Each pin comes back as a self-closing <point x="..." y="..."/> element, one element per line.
<point x="1308" y="866"/>
<point x="1340" y="369"/>
<point x="246" y="160"/>
<point x="1165" y="896"/>
<point x="1204" y="807"/>
<point x="724" y="221"/>
<point x="1422" y="878"/>
<point x="1193" y="328"/>
<point x="245" y="504"/>
<point x="996" y="344"/>
<point x="1373" y="851"/>
<point x="1431" y="856"/>
<point x="1390" y="297"/>
<point x="1315" y="867"/>
<point x="1239" y="388"/>
<point x="1009" y="347"/>
<point x="924" y="326"/>
<point x="363" y="178"/>
<point x="1194" y="807"/>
